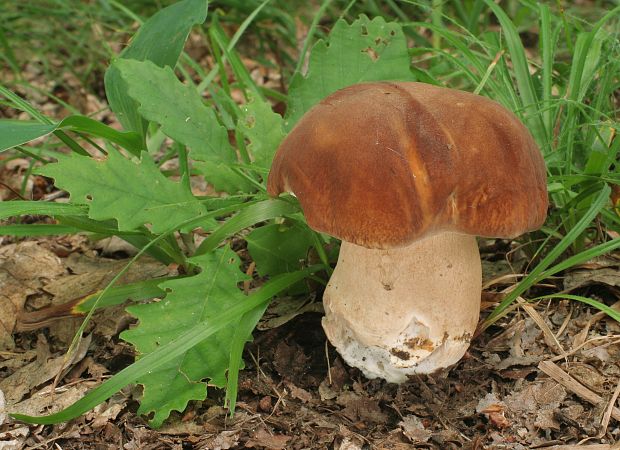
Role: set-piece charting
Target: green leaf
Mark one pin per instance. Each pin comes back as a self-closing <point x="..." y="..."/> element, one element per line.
<point x="279" y="248"/>
<point x="140" y="290"/>
<point x="366" y="50"/>
<point x="160" y="40"/>
<point x="19" y="208"/>
<point x="223" y="177"/>
<point x="132" y="193"/>
<point x="18" y="132"/>
<point x="128" y="140"/>
<point x="166" y="353"/>
<point x="178" y="108"/>
<point x="250" y="215"/>
<point x="190" y="301"/>
<point x="263" y="128"/>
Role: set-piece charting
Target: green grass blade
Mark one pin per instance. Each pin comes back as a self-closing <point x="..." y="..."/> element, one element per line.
<point x="129" y="140"/>
<point x="241" y="72"/>
<point x="18" y="132"/>
<point x="522" y="74"/>
<point x="116" y="295"/>
<point x="310" y="36"/>
<point x="547" y="42"/>
<point x="534" y="276"/>
<point x="20" y="208"/>
<point x="244" y="328"/>
<point x="257" y="212"/>
<point x="588" y="301"/>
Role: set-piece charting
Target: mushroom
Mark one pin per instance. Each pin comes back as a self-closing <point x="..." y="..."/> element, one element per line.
<point x="406" y="175"/>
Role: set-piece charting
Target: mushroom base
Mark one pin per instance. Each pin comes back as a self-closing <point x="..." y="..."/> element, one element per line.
<point x="398" y="312"/>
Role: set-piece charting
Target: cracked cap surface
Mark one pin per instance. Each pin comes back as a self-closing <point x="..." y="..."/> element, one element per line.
<point x="384" y="164"/>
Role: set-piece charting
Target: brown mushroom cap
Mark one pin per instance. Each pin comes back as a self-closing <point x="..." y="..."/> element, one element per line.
<point x="384" y="164"/>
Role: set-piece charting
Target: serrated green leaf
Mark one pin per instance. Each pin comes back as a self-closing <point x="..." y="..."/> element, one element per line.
<point x="160" y="40"/>
<point x="183" y="116"/>
<point x="366" y="50"/>
<point x="279" y="248"/>
<point x="263" y="128"/>
<point x="222" y="177"/>
<point x="189" y="302"/>
<point x="178" y="108"/>
<point x="132" y="193"/>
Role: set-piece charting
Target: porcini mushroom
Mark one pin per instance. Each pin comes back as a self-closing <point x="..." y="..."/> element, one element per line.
<point x="406" y="175"/>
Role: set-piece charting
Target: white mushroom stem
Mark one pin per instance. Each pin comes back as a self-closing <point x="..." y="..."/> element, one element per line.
<point x="408" y="310"/>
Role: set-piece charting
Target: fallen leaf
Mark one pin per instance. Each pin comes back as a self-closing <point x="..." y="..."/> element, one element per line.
<point x="589" y="377"/>
<point x="357" y="407"/>
<point x="493" y="409"/>
<point x="34" y="374"/>
<point x="545" y="420"/>
<point x="43" y="402"/>
<point x="284" y="310"/>
<point x="348" y="443"/>
<point x="299" y="393"/>
<point x="262" y="438"/>
<point x="14" y="439"/>
<point x="104" y="413"/>
<point x="414" y="430"/>
<point x="223" y="441"/>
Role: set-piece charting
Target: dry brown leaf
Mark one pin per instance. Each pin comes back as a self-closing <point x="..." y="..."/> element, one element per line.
<point x="545" y="420"/>
<point x="285" y="309"/>
<point x="225" y="440"/>
<point x="493" y="409"/>
<point x="589" y="377"/>
<point x="602" y="270"/>
<point x="43" y="402"/>
<point x="298" y="393"/>
<point x="14" y="439"/>
<point x="413" y="428"/>
<point x="357" y="407"/>
<point x="263" y="439"/>
<point x="34" y="374"/>
<point x="24" y="267"/>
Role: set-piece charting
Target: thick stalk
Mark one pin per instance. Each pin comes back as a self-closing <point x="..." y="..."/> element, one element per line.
<point x="407" y="310"/>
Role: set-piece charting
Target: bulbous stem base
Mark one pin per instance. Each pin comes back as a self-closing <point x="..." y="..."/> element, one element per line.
<point x="398" y="312"/>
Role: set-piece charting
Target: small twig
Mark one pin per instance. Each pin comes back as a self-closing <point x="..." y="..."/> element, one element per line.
<point x="556" y="373"/>
<point x="584" y="447"/>
<point x="6" y="186"/>
<point x="329" y="369"/>
<point x="583" y="344"/>
<point x="565" y="322"/>
<point x="608" y="411"/>
<point x="550" y="338"/>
